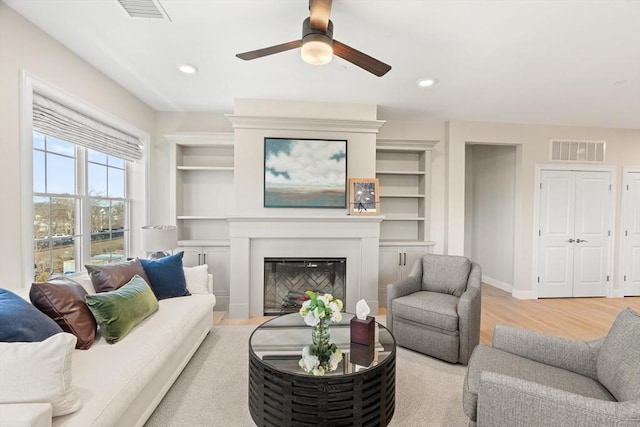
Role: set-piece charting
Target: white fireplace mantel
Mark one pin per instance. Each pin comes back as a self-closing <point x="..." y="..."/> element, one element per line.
<point x="254" y="238"/>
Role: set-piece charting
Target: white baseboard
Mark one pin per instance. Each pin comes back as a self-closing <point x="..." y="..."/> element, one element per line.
<point x="522" y="294"/>
<point x="497" y="283"/>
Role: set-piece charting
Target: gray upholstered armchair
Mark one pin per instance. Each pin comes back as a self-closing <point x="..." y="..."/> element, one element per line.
<point x="436" y="309"/>
<point x="531" y="379"/>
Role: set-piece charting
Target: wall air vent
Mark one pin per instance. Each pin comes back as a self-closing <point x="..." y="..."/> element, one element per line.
<point x="149" y="9"/>
<point x="569" y="150"/>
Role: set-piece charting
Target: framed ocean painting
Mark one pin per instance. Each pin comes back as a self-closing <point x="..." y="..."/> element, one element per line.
<point x="305" y="173"/>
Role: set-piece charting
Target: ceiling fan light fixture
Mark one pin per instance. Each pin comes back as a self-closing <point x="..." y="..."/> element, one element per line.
<point x="316" y="50"/>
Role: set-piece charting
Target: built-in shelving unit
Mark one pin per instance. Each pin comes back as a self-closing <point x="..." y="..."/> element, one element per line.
<point x="202" y="166"/>
<point x="404" y="170"/>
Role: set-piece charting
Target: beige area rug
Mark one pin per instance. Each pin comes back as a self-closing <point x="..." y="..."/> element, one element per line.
<point x="212" y="390"/>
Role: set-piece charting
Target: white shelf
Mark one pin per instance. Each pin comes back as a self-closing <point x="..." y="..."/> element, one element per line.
<point x="385" y="172"/>
<point x="199" y="243"/>
<point x="206" y="168"/>
<point x="402" y="196"/>
<point x="404" y="219"/>
<point x="200" y="217"/>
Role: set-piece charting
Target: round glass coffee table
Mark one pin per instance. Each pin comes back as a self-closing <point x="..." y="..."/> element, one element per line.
<point x="361" y="392"/>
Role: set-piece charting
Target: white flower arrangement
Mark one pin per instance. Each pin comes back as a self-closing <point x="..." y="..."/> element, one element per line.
<point x="319" y="308"/>
<point x="318" y="311"/>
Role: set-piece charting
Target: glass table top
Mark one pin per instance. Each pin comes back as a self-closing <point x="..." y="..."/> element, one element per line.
<point x="278" y="342"/>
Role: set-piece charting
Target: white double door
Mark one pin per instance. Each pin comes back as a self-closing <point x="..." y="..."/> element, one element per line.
<point x="631" y="233"/>
<point x="574" y="233"/>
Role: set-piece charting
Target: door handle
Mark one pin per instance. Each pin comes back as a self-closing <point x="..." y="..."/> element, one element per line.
<point x="400" y="258"/>
<point x="581" y="241"/>
<point x="405" y="259"/>
<point x="570" y="240"/>
<point x="198" y="259"/>
<point x="204" y="259"/>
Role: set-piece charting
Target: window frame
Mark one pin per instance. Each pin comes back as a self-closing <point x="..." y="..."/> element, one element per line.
<point x="83" y="229"/>
<point x="138" y="172"/>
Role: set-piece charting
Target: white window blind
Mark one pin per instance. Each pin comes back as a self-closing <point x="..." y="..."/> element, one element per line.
<point x="60" y="121"/>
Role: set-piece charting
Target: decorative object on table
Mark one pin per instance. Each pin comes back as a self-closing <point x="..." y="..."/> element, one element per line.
<point x="322" y="355"/>
<point x="157" y="240"/>
<point x="305" y="173"/>
<point x="364" y="197"/>
<point x="362" y="325"/>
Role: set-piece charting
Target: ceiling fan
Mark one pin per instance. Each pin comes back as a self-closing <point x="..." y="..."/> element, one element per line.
<point x="318" y="45"/>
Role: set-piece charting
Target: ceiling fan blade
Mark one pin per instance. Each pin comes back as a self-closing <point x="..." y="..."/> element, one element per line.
<point x="269" y="50"/>
<point x="360" y="59"/>
<point x="319" y="11"/>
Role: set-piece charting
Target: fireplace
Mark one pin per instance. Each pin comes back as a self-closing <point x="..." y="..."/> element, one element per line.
<point x="287" y="279"/>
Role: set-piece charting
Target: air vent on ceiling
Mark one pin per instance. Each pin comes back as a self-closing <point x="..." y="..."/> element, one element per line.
<point x="150" y="9"/>
<point x="568" y="150"/>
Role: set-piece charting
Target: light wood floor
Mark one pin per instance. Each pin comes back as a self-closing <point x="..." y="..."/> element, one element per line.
<point x="579" y="318"/>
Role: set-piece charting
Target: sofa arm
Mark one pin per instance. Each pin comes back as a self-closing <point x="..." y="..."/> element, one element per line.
<point x="25" y="414"/>
<point x="507" y="401"/>
<point x="573" y="355"/>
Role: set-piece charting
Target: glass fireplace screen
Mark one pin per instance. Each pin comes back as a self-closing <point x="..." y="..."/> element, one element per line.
<point x="287" y="279"/>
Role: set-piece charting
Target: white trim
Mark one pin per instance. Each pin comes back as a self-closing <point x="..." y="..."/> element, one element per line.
<point x="303" y="123"/>
<point x="516" y="293"/>
<point x="28" y="84"/>
<point x="582" y="167"/>
<point x="497" y="283"/>
<point x="626" y="175"/>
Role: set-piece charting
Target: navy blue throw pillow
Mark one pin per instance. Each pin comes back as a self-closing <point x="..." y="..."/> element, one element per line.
<point x="22" y="322"/>
<point x="166" y="276"/>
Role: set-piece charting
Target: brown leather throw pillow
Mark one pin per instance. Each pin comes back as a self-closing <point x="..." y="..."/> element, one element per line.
<point x="62" y="299"/>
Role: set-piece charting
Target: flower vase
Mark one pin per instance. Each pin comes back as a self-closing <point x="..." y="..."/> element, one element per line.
<point x="320" y="335"/>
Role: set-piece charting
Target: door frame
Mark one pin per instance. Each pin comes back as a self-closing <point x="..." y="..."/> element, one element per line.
<point x="626" y="174"/>
<point x="539" y="167"/>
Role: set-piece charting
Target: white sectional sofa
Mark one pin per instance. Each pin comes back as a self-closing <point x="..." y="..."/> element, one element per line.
<point x="121" y="384"/>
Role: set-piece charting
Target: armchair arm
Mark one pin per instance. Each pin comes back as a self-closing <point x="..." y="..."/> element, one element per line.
<point x="406" y="286"/>
<point x="507" y="401"/>
<point x="25" y="414"/>
<point x="469" y="307"/>
<point x="573" y="355"/>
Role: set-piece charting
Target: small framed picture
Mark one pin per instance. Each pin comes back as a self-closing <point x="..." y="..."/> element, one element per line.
<point x="363" y="196"/>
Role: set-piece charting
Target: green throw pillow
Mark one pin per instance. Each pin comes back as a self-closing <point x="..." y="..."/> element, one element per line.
<point x="117" y="312"/>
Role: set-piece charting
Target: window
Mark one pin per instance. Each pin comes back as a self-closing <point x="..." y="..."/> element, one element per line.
<point x="80" y="207"/>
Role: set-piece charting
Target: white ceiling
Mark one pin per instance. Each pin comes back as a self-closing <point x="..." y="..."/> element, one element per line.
<point x="548" y="62"/>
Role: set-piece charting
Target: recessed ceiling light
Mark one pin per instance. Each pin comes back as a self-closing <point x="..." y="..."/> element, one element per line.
<point x="426" y="82"/>
<point x="188" y="68"/>
<point x="621" y="82"/>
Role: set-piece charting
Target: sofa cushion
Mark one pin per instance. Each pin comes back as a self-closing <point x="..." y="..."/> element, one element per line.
<point x="491" y="359"/>
<point x="428" y="308"/>
<point x="166" y="276"/>
<point x="110" y="277"/>
<point x="445" y="274"/>
<point x="197" y="279"/>
<point x="39" y="373"/>
<point x="62" y="299"/>
<point x="22" y="322"/>
<point x="619" y="357"/>
<point x="119" y="311"/>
